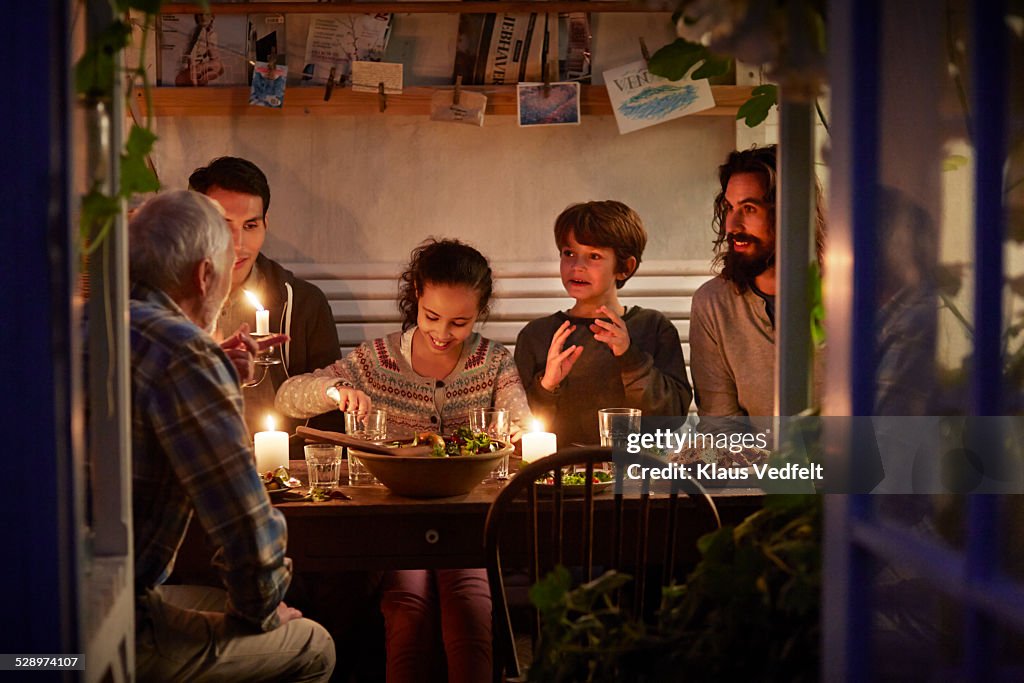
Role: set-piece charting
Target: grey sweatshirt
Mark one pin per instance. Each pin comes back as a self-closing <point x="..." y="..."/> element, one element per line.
<point x="732" y="351"/>
<point x="651" y="375"/>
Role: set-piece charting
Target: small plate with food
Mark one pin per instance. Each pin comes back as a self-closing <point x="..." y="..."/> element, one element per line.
<point x="279" y="482"/>
<point x="574" y="484"/>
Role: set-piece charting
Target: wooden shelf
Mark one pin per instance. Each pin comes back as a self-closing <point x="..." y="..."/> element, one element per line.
<point x="306" y="101"/>
<point x="410" y="7"/>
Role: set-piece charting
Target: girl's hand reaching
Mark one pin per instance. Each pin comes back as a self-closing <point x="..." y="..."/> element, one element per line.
<point x="349" y="399"/>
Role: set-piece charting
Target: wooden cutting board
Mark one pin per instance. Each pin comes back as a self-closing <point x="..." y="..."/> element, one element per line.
<point x="340" y="439"/>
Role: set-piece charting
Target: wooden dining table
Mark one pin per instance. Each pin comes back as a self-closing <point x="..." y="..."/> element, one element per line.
<point x="369" y="528"/>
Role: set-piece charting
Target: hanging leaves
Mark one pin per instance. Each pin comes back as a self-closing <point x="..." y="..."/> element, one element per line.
<point x="755" y="110"/>
<point x="817" y="306"/>
<point x="677" y="58"/>
<point x="95" y="72"/>
<point x="136" y="175"/>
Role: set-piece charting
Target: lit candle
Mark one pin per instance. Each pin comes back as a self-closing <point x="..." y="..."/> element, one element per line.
<point x="271" y="448"/>
<point x="538" y="444"/>
<point x="262" y="315"/>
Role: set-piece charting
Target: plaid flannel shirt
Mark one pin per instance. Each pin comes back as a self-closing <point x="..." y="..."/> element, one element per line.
<point x="191" y="452"/>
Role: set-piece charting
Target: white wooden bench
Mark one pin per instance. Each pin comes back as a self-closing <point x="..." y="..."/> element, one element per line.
<point x="363" y="296"/>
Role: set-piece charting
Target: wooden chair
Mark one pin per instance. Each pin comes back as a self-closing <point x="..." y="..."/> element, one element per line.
<point x="638" y="533"/>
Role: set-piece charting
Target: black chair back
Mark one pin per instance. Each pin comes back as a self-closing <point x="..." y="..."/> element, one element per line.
<point x="629" y="528"/>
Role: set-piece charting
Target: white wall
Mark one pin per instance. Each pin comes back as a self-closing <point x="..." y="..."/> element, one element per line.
<point x="350" y="189"/>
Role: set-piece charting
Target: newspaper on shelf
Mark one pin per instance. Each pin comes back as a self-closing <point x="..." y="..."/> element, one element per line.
<point x="337" y="40"/>
<point x="496" y="49"/>
<point x="577" y="52"/>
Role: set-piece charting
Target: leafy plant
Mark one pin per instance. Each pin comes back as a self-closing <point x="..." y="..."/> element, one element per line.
<point x="756" y="592"/>
<point x="96" y="74"/>
<point x="787" y="37"/>
<point x="677" y="58"/>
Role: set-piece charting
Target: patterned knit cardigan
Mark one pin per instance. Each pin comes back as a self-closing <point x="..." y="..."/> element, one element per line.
<point x="484" y="377"/>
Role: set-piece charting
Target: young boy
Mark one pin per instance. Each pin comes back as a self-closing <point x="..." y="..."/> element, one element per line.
<point x="600" y="354"/>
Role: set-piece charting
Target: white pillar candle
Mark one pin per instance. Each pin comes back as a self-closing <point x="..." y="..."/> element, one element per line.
<point x="262" y="314"/>
<point x="538" y="444"/>
<point x="263" y="322"/>
<point x="271" y="448"/>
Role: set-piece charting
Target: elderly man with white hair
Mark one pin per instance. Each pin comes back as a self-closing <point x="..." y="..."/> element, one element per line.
<point x="191" y="455"/>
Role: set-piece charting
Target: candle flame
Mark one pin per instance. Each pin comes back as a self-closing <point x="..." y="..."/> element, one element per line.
<point x="536" y="426"/>
<point x="254" y="300"/>
<point x="271" y="425"/>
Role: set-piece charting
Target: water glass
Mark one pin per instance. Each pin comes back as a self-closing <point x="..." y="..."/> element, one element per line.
<point x="497" y="424"/>
<point x="323" y="464"/>
<point x="372" y="426"/>
<point x="616" y="424"/>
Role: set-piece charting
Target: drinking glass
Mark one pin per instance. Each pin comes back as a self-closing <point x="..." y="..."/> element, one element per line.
<point x="372" y="426"/>
<point x="497" y="424"/>
<point x="616" y="424"/>
<point x="323" y="465"/>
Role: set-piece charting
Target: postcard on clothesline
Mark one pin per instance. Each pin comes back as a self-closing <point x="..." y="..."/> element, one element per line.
<point x="268" y="86"/>
<point x="470" y="108"/>
<point x="640" y="99"/>
<point x="367" y="77"/>
<point x="554" y="105"/>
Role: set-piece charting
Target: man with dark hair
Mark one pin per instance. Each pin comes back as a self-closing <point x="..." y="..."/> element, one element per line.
<point x="732" y="320"/>
<point x="297" y="308"/>
<point x="192" y="458"/>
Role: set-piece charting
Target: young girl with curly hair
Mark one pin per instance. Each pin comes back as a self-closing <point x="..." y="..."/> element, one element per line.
<point x="428" y="376"/>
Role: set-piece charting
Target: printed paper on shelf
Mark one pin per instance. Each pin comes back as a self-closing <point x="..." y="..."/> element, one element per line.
<point x="338" y="40"/>
<point x="267" y="36"/>
<point x="496" y="49"/>
<point x="640" y="99"/>
<point x="203" y="49"/>
<point x="578" y="49"/>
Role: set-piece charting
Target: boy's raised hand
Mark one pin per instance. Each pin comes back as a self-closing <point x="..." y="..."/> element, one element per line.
<point x="560" y="361"/>
<point x="612" y="332"/>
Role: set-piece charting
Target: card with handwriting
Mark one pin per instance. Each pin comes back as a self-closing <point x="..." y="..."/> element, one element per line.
<point x="640" y="99"/>
<point x="367" y="77"/>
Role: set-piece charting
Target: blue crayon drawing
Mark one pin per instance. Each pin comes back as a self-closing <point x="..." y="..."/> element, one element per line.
<point x="658" y="101"/>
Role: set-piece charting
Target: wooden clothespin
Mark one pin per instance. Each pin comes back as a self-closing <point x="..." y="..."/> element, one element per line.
<point x="382" y="96"/>
<point x="272" y="63"/>
<point x="330" y="84"/>
<point x="644" y="51"/>
<point x="458" y="89"/>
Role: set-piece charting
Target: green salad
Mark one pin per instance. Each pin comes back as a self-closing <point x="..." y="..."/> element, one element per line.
<point x="463" y="441"/>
